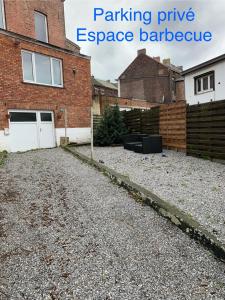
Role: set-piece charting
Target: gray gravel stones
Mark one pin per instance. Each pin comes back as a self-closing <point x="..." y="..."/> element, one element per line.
<point x="68" y="233"/>
<point x="194" y="185"/>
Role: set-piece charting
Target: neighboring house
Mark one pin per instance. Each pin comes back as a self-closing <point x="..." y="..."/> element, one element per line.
<point x="206" y="81"/>
<point x="45" y="83"/>
<point x="148" y="78"/>
<point x="101" y="102"/>
<point x="179" y="89"/>
<point x="105" y="93"/>
<point x="100" y="90"/>
<point x="104" y="88"/>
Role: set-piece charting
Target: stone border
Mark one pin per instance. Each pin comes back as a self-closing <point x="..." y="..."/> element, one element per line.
<point x="3" y="156"/>
<point x="181" y="219"/>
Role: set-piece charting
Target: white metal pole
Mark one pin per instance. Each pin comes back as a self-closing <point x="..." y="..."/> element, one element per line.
<point x="66" y="124"/>
<point x="92" y="134"/>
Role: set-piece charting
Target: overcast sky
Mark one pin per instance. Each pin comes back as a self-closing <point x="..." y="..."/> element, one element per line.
<point x="110" y="59"/>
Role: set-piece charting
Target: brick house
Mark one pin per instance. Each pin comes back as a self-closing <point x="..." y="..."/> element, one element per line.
<point x="148" y="78"/>
<point x="105" y="93"/>
<point x="104" y="88"/>
<point x="45" y="82"/>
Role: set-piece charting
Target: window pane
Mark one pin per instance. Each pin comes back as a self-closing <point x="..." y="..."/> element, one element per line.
<point x="46" y="117"/>
<point x="41" y="27"/>
<point x="27" y="66"/>
<point x="1" y="15"/>
<point x="205" y="83"/>
<point x="43" y="69"/>
<point x="199" y="85"/>
<point x="22" y="117"/>
<point x="57" y="72"/>
<point x="212" y="81"/>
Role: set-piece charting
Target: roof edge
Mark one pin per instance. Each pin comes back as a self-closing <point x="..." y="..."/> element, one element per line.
<point x="73" y="44"/>
<point x="149" y="57"/>
<point x="204" y="64"/>
<point x="36" y="42"/>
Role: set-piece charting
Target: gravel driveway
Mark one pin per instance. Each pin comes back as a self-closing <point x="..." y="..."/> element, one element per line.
<point x="68" y="233"/>
<point x="195" y="185"/>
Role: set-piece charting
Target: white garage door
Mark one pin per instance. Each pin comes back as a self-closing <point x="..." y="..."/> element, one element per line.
<point x="31" y="130"/>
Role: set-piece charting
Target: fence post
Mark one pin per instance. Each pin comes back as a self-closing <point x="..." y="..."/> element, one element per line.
<point x="141" y="121"/>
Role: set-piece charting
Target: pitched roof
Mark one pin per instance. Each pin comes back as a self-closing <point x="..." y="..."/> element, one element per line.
<point x="169" y="66"/>
<point x="103" y="83"/>
<point x="174" y="68"/>
<point x="204" y="64"/>
<point x="72" y="45"/>
<point x="179" y="79"/>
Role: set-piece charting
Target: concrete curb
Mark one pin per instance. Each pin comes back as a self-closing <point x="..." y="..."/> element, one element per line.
<point x="3" y="156"/>
<point x="181" y="219"/>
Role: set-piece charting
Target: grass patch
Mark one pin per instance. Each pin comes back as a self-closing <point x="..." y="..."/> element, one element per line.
<point x="3" y="156"/>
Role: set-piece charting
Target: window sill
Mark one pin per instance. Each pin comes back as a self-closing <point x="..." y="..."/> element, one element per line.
<point x="43" y="85"/>
<point x="204" y="92"/>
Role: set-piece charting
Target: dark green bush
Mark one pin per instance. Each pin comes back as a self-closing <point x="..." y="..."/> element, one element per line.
<point x="111" y="128"/>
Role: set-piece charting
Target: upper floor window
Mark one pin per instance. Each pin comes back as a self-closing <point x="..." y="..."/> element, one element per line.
<point x="41" y="27"/>
<point x="205" y="83"/>
<point x="41" y="69"/>
<point x="2" y="15"/>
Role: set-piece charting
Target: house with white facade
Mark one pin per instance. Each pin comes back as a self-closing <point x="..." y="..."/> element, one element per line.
<point x="206" y="81"/>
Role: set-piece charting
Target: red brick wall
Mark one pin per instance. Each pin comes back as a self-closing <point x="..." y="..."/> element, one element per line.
<point x="147" y="79"/>
<point x="180" y="91"/>
<point x="20" y="18"/>
<point x="14" y="94"/>
<point x="124" y="103"/>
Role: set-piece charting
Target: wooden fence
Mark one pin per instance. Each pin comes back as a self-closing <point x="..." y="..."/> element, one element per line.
<point x="197" y="129"/>
<point x="169" y="120"/>
<point x="132" y="119"/>
<point x="172" y="123"/>
<point x="206" y="130"/>
<point x="150" y="121"/>
<point x="138" y="121"/>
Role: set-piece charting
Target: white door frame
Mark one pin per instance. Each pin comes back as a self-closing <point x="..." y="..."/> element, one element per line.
<point x="52" y="122"/>
<point x="38" y="121"/>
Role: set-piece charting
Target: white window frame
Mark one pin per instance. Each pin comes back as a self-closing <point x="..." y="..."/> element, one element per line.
<point x="3" y="13"/>
<point x="201" y="83"/>
<point x="46" y="24"/>
<point x="34" y="69"/>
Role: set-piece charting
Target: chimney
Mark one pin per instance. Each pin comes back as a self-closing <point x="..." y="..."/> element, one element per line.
<point x="108" y="81"/>
<point x="141" y="51"/>
<point x="166" y="61"/>
<point x="157" y="58"/>
<point x="180" y="68"/>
